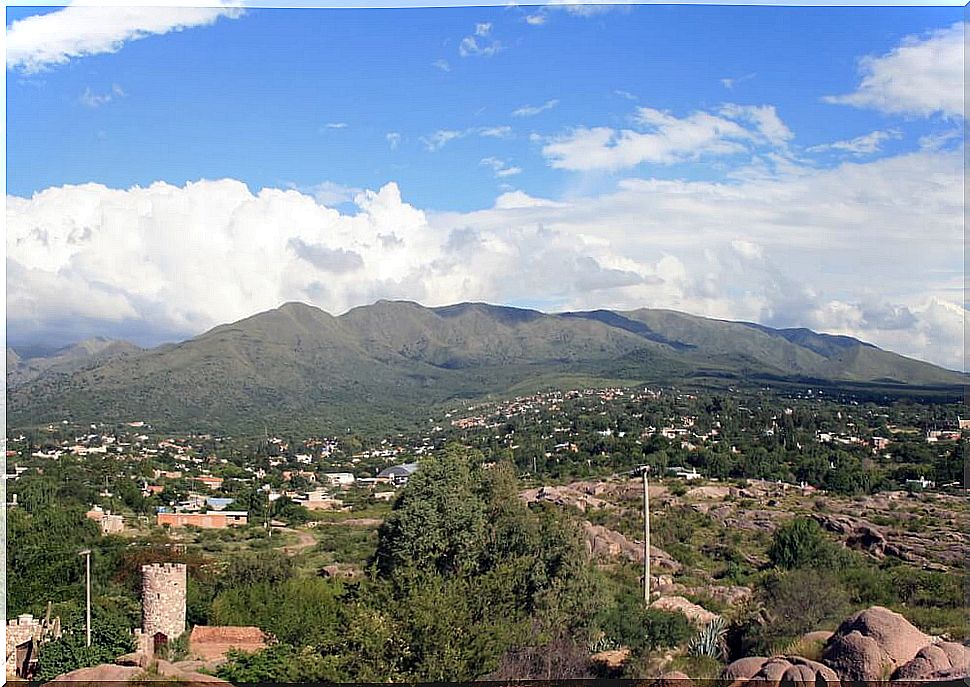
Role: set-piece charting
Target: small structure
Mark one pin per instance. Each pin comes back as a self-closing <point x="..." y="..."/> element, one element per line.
<point x="339" y="479"/>
<point x="163" y="587"/>
<point x="684" y="473"/>
<point x="110" y="523"/>
<point x="210" y="643"/>
<point x="219" y="519"/>
<point x="921" y="483"/>
<point x="23" y="637"/>
<point x="398" y="474"/>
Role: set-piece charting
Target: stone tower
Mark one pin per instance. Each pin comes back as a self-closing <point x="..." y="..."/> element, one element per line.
<point x="163" y="599"/>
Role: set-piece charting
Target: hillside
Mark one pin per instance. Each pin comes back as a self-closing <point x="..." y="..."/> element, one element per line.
<point x="383" y="366"/>
<point x="25" y="366"/>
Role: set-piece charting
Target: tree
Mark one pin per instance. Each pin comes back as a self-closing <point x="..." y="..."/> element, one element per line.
<point x="797" y="543"/>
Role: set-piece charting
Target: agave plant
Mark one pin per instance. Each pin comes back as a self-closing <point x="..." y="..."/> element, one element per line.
<point x="603" y="643"/>
<point x="711" y="641"/>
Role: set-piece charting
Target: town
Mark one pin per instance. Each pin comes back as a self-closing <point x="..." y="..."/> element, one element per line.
<point x="744" y="461"/>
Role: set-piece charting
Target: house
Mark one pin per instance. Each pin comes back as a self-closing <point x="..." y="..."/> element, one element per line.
<point x="684" y="473"/>
<point x="110" y="524"/>
<point x="319" y="499"/>
<point x="207" y="520"/>
<point x="921" y="483"/>
<point x="339" y="479"/>
<point x="398" y="474"/>
<point x="210" y="481"/>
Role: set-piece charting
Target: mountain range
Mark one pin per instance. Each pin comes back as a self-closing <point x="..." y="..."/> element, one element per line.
<point x="387" y="365"/>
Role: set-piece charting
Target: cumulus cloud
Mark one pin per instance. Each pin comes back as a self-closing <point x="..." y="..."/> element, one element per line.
<point x="866" y="144"/>
<point x="922" y="76"/>
<point x="663" y="138"/>
<point x="393" y="139"/>
<point x="866" y="249"/>
<point x="42" y="41"/>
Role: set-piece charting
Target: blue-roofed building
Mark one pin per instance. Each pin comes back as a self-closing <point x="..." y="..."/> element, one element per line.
<point x="398" y="474"/>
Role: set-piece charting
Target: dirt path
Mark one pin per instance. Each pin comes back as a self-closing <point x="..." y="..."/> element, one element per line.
<point x="305" y="541"/>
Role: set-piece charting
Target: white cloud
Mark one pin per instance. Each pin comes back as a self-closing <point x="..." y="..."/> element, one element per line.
<point x="41" y="41"/>
<point x="91" y="99"/>
<point x="666" y="139"/>
<point x="922" y="76"/>
<point x="335" y="125"/>
<point x="870" y="249"/>
<point x="866" y="144"/>
<point x="500" y="168"/>
<point x="331" y="193"/>
<point x="393" y="139"/>
<point x="729" y="83"/>
<point x="536" y="19"/>
<point x="532" y="110"/>
<point x="442" y="65"/>
<point x="442" y="137"/>
<point x="476" y="45"/>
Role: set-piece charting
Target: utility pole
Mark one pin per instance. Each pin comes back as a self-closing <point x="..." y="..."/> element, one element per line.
<point x="646" y="538"/>
<point x="87" y="555"/>
<point x="642" y="471"/>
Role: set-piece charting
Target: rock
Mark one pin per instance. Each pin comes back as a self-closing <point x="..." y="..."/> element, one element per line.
<point x="674" y="678"/>
<point x="821" y="636"/>
<point x="779" y="669"/>
<point x="133" y="659"/>
<point x="872" y="643"/>
<point x="698" y="615"/>
<point x="943" y="661"/>
<point x="106" y="674"/>
<point x="603" y="542"/>
<point x="613" y="659"/>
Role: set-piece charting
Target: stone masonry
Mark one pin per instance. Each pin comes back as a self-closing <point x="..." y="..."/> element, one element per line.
<point x="163" y="599"/>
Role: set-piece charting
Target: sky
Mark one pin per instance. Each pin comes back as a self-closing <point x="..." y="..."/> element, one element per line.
<point x="173" y="168"/>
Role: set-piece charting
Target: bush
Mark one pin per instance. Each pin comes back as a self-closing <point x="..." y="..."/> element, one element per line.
<point x="797" y="543"/>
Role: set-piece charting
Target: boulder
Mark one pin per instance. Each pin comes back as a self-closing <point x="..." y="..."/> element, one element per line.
<point x="779" y="670"/>
<point x="602" y="542"/>
<point x="943" y="661"/>
<point x="871" y="644"/>
<point x="674" y="678"/>
<point x="698" y="615"/>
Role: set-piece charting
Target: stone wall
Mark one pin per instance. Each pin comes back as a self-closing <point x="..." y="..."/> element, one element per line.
<point x="18" y="632"/>
<point x="163" y="599"/>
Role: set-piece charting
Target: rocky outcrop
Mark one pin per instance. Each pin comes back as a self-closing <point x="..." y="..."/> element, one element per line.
<point x="606" y="543"/>
<point x="943" y="661"/>
<point x="871" y="644"/>
<point x="779" y="670"/>
<point x="106" y="674"/>
<point x="698" y="615"/>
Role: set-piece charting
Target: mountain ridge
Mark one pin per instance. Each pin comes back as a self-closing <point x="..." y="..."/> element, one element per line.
<point x="386" y="363"/>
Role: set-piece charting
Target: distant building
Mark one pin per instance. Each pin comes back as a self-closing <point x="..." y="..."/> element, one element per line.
<point x="207" y="520"/>
<point x="339" y="479"/>
<point x="398" y="474"/>
<point x="110" y="524"/>
<point x="684" y="473"/>
<point x="921" y="483"/>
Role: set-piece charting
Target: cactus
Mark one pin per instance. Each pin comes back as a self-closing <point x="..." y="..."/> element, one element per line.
<point x="711" y="641"/>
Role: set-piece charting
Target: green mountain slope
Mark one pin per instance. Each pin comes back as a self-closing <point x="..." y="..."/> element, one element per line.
<point x="383" y="366"/>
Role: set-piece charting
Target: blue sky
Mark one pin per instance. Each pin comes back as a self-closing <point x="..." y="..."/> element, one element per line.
<point x="590" y="158"/>
<point x="252" y="98"/>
